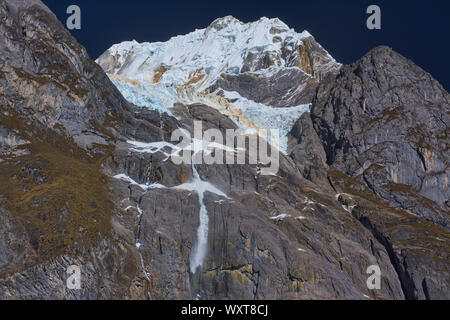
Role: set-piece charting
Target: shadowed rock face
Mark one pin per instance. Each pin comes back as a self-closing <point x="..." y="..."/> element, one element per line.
<point x="288" y="86"/>
<point x="311" y="231"/>
<point x="385" y="110"/>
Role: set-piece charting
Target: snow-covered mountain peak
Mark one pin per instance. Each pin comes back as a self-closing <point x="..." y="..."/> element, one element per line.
<point x="221" y="23"/>
<point x="253" y="66"/>
<point x="227" y="45"/>
<point x="236" y="26"/>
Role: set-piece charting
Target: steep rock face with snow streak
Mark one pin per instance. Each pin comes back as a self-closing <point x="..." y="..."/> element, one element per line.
<point x="86" y="181"/>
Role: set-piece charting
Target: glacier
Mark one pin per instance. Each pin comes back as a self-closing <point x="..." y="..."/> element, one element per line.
<point x="158" y="75"/>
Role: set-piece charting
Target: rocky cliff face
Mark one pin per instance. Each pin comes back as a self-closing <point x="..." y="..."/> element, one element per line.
<point x="379" y="133"/>
<point x="86" y="181"/>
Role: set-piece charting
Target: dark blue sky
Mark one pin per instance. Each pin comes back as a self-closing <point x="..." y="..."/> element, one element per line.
<point x="417" y="29"/>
